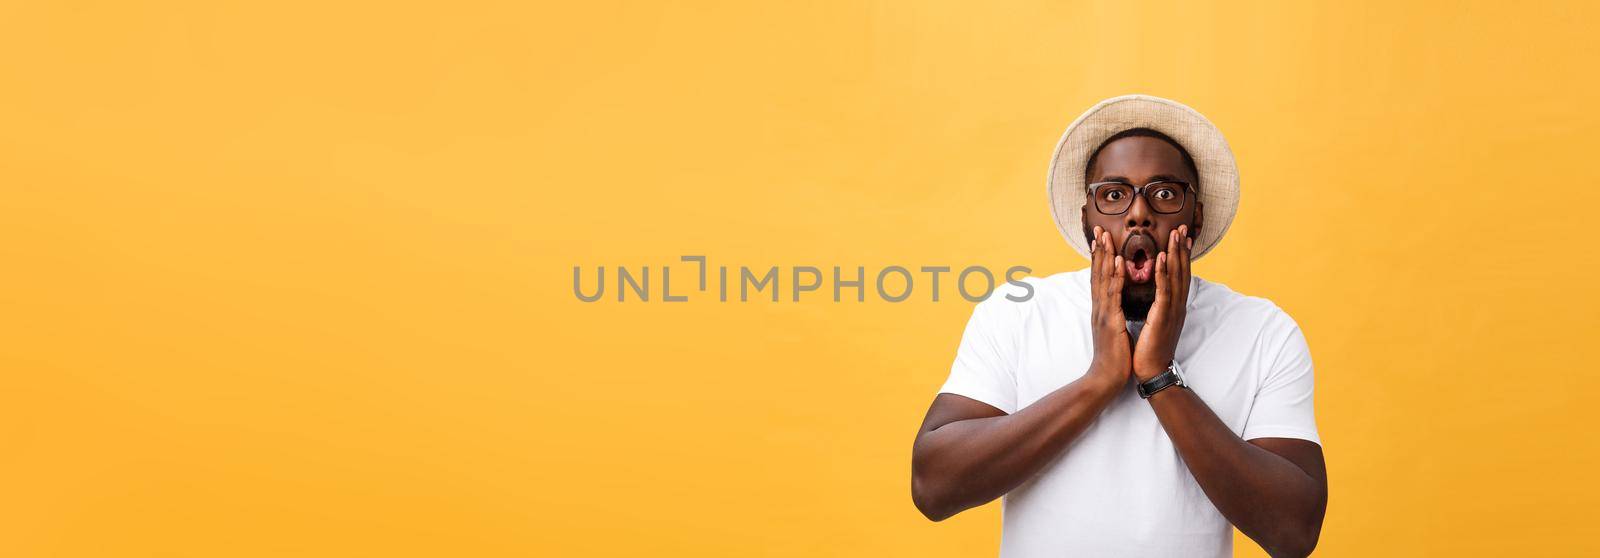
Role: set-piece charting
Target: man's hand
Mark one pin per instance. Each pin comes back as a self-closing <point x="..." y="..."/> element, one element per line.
<point x="1112" y="350"/>
<point x="968" y="452"/>
<point x="1159" y="339"/>
<point x="1275" y="490"/>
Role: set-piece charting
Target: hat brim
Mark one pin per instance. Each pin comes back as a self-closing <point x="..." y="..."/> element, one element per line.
<point x="1219" y="175"/>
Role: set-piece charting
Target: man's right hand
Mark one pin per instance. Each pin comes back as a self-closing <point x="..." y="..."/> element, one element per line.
<point x="968" y="452"/>
<point x="1113" y="353"/>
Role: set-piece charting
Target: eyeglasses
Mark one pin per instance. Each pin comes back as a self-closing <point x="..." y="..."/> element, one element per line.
<point x="1164" y="196"/>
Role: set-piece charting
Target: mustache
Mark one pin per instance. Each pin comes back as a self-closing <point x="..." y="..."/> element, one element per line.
<point x="1135" y="241"/>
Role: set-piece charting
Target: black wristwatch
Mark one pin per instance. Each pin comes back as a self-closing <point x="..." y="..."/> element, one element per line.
<point x="1172" y="376"/>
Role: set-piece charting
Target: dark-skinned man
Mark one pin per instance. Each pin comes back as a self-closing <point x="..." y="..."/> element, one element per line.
<point x="1131" y="409"/>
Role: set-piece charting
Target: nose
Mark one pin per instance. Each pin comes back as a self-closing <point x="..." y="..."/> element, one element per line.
<point x="1139" y="214"/>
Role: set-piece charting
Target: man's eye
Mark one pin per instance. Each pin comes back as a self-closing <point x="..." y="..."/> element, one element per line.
<point x="1165" y="194"/>
<point x="1113" y="195"/>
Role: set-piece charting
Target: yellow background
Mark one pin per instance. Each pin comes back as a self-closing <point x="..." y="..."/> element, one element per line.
<point x="294" y="278"/>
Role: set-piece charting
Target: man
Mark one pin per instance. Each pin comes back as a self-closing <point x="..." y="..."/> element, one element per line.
<point x="1130" y="409"/>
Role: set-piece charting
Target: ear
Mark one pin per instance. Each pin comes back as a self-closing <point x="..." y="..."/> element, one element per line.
<point x="1199" y="219"/>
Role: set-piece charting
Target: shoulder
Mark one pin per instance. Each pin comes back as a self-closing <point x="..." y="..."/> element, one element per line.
<point x="1220" y="303"/>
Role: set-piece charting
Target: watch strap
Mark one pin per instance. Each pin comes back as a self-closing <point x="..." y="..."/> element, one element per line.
<point x="1167" y="378"/>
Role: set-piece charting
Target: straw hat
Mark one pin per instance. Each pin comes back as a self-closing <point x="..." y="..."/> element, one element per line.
<point x="1219" y="177"/>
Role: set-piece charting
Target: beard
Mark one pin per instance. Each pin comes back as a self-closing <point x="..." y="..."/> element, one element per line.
<point x="1136" y="300"/>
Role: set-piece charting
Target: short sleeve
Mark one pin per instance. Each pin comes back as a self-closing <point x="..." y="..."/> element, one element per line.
<point x="986" y="360"/>
<point x="1283" y="406"/>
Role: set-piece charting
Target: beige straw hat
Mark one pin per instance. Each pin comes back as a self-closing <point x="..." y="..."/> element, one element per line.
<point x="1219" y="177"/>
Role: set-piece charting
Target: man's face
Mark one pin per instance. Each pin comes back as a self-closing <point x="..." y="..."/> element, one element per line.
<point x="1139" y="233"/>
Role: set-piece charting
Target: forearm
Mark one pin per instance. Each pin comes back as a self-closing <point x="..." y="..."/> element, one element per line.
<point x="967" y="463"/>
<point x="1269" y="498"/>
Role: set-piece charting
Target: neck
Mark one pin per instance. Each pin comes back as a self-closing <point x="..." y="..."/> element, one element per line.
<point x="1135" y="307"/>
<point x="1136" y="301"/>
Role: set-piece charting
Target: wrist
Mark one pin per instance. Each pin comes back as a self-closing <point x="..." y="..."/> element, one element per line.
<point x="1108" y="375"/>
<point x="1147" y="372"/>
<point x="1171" y="377"/>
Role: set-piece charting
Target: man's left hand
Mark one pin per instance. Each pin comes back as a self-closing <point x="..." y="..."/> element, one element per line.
<point x="1159" y="340"/>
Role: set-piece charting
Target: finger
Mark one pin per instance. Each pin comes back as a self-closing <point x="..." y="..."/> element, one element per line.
<point x="1095" y="254"/>
<point x="1174" y="259"/>
<point x="1110" y="259"/>
<point x="1105" y="255"/>
<point x="1175" y="251"/>
<point x="1161" y="280"/>
<point x="1103" y="264"/>
<point x="1184" y="242"/>
<point x="1108" y="262"/>
<point x="1118" y="275"/>
<point x="1182" y="277"/>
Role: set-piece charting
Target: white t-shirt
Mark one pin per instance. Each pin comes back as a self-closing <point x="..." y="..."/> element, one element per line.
<point x="1120" y="489"/>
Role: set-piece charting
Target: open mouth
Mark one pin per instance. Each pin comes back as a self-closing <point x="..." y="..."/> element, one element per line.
<point x="1139" y="257"/>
